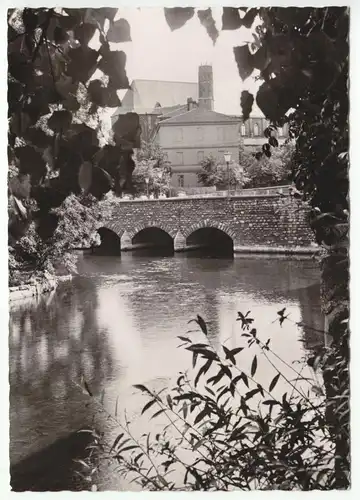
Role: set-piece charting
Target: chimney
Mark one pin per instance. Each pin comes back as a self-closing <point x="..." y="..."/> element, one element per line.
<point x="191" y="104"/>
<point x="206" y="91"/>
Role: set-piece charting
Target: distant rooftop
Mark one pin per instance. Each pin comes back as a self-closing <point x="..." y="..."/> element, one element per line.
<point x="198" y="115"/>
<point x="144" y="95"/>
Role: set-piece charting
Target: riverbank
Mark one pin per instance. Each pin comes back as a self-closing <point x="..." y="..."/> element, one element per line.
<point x="36" y="287"/>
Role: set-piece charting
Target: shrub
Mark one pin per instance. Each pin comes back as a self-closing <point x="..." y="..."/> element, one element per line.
<point x="229" y="431"/>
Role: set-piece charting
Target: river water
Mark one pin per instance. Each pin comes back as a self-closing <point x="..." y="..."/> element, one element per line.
<point x="117" y="324"/>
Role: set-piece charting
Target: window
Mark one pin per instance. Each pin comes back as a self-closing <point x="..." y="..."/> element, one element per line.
<point x="200" y="156"/>
<point x="179" y="158"/>
<point x="243" y="129"/>
<point x="179" y="134"/>
<point x="256" y="129"/>
<point x="181" y="181"/>
<point x="200" y="133"/>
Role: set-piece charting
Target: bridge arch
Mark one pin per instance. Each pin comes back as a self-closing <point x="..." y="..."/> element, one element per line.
<point x="151" y="225"/>
<point x="215" y="237"/>
<point x="110" y="240"/>
<point x="152" y="235"/>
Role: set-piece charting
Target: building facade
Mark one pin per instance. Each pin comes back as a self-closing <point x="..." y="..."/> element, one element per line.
<point x="187" y="139"/>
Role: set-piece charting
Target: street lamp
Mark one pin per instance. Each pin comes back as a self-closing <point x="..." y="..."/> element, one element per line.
<point x="147" y="179"/>
<point x="227" y="158"/>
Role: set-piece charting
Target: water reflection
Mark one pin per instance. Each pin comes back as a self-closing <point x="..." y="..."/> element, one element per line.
<point x="117" y="323"/>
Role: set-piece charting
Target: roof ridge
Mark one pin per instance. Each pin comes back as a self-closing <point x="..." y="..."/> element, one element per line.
<point x="200" y="111"/>
<point x="181" y="114"/>
<point x="176" y="106"/>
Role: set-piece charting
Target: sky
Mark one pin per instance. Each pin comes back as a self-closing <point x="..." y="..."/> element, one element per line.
<point x="157" y="53"/>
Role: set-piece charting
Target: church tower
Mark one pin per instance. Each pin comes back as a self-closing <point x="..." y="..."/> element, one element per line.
<point x="206" y="88"/>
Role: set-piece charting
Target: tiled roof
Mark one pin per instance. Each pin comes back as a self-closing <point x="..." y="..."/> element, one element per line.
<point x="198" y="115"/>
<point x="144" y="95"/>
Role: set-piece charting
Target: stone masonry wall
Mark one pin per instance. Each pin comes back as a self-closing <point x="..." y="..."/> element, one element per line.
<point x="255" y="223"/>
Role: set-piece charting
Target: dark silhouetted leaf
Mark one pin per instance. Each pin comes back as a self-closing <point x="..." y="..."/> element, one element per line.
<point x="202" y="325"/>
<point x="246" y="102"/>
<point x="158" y="413"/>
<point x="203" y="370"/>
<point x="208" y="22"/>
<point x="82" y="63"/>
<point x="274" y="382"/>
<point x="148" y="405"/>
<point x="116" y="442"/>
<point x="185" y="409"/>
<point x="252" y="393"/>
<point x="60" y="121"/>
<point x="184" y="339"/>
<point x="271" y="402"/>
<point x="176" y="17"/>
<point x="231" y="18"/>
<point x="119" y="32"/>
<point x="113" y="64"/>
<point x="249" y="18"/>
<point x="142" y="388"/>
<point x="254" y="366"/>
<point x="260" y="58"/>
<point x="127" y="131"/>
<point x="201" y="415"/>
<point x="244" y="61"/>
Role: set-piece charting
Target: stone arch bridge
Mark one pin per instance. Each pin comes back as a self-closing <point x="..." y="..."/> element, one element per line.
<point x="245" y="223"/>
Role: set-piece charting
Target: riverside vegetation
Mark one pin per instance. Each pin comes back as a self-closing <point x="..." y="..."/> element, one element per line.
<point x="230" y="430"/>
<point x="301" y="58"/>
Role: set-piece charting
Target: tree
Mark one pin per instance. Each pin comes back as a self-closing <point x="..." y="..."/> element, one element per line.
<point x="151" y="164"/>
<point x="216" y="173"/>
<point x="32" y="256"/>
<point x="54" y="103"/>
<point x="271" y="171"/>
<point x="55" y="100"/>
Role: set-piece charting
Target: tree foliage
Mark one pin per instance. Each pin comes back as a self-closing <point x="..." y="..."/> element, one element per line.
<point x="270" y="171"/>
<point x="249" y="172"/>
<point x="215" y="172"/>
<point x="54" y="100"/>
<point x="42" y="250"/>
<point x="151" y="164"/>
